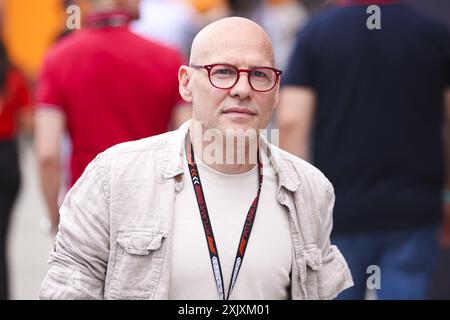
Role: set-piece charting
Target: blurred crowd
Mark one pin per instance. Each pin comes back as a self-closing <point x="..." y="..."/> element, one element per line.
<point x="377" y="132"/>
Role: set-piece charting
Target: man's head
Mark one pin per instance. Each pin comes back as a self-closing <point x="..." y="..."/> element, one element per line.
<point x="245" y="45"/>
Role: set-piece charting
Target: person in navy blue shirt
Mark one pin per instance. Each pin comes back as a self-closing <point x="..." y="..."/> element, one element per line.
<point x="363" y="100"/>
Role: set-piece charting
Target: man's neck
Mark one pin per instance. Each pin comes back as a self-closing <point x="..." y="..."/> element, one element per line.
<point x="101" y="19"/>
<point x="248" y="154"/>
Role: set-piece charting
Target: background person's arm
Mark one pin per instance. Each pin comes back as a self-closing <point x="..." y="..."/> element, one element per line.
<point x="295" y="118"/>
<point x="26" y="121"/>
<point x="49" y="131"/>
<point x="23" y="99"/>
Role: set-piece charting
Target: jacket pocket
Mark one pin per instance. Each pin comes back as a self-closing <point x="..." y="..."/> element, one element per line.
<point x="139" y="259"/>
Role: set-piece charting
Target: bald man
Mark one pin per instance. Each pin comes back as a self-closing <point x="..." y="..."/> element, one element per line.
<point x="209" y="211"/>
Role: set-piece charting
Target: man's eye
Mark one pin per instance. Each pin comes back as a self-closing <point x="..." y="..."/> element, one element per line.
<point x="223" y="72"/>
<point x="259" y="74"/>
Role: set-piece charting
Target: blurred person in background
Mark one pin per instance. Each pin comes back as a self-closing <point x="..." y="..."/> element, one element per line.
<point x="104" y="85"/>
<point x="282" y="19"/>
<point x="15" y="116"/>
<point x="440" y="287"/>
<point x="173" y="22"/>
<point x="366" y="107"/>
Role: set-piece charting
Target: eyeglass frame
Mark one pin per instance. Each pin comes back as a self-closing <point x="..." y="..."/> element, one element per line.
<point x="209" y="67"/>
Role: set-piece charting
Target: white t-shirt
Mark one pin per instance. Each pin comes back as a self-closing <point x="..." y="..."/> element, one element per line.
<point x="266" y="267"/>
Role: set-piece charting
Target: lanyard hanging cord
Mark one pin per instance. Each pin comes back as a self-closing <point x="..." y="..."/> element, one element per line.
<point x="211" y="242"/>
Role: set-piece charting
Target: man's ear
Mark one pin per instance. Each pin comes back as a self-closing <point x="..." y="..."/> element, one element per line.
<point x="184" y="78"/>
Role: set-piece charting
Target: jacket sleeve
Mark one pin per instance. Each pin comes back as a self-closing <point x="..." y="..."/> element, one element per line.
<point x="334" y="275"/>
<point x="78" y="261"/>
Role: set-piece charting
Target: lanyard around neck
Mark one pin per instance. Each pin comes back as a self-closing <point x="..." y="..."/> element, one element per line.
<point x="211" y="242"/>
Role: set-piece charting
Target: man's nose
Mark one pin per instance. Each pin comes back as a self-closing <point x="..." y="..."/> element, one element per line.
<point x="242" y="88"/>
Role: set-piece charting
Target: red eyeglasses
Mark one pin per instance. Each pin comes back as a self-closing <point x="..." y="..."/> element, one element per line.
<point x="225" y="76"/>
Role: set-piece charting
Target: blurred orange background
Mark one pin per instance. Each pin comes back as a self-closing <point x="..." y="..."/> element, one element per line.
<point x="29" y="28"/>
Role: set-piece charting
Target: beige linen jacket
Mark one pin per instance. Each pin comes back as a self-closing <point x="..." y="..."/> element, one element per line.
<point x="115" y="233"/>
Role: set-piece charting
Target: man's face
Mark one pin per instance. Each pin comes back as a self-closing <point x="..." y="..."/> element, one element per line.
<point x="239" y="107"/>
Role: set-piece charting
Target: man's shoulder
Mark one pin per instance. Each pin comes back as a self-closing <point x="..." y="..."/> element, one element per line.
<point x="140" y="158"/>
<point x="165" y="55"/>
<point x="141" y="146"/>
<point x="154" y="45"/>
<point x="66" y="43"/>
<point x="134" y="160"/>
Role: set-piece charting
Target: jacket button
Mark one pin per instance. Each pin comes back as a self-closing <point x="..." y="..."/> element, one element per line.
<point x="179" y="178"/>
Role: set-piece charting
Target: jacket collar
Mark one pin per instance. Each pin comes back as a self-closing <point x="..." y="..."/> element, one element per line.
<point x="116" y="18"/>
<point x="172" y="161"/>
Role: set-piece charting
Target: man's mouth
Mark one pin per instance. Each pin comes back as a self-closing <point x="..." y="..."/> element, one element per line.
<point x="239" y="111"/>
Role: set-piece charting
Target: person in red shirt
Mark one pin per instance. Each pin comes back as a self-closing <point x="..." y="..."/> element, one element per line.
<point x="15" y="114"/>
<point x="104" y="85"/>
